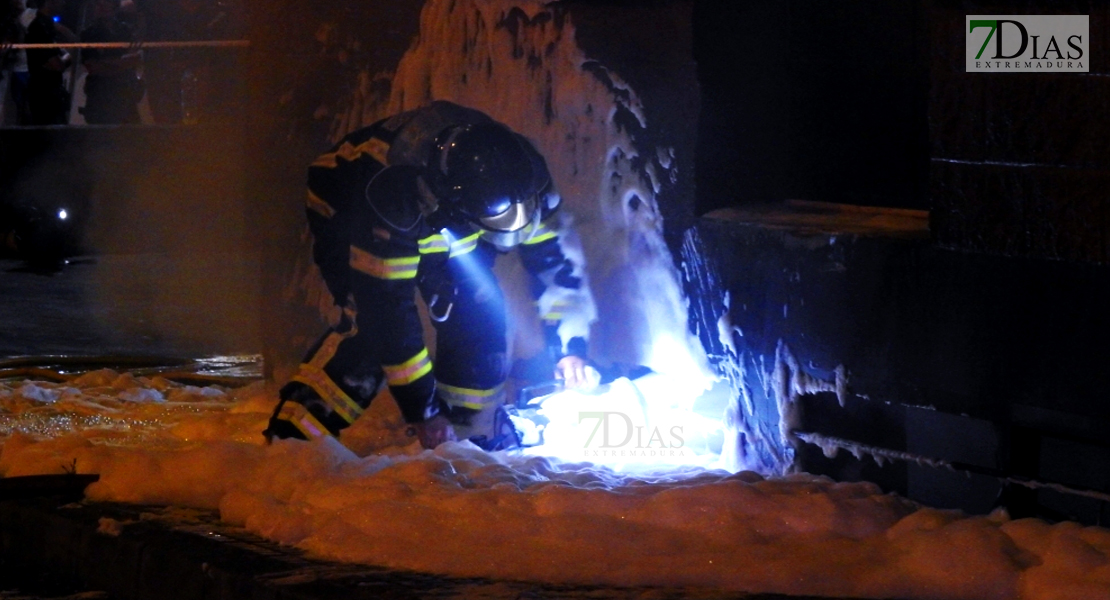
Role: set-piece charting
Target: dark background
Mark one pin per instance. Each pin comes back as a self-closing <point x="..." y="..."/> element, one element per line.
<point x="813" y="100"/>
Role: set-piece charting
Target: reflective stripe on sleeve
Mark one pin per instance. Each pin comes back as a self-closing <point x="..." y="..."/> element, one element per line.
<point x="317" y="205"/>
<point x="298" y="416"/>
<point x="410" y="370"/>
<point x="434" y="243"/>
<point x="403" y="267"/>
<point x="465" y="245"/>
<point x="474" y="399"/>
<point x="556" y="312"/>
<point x="542" y="234"/>
<point x="329" y="392"/>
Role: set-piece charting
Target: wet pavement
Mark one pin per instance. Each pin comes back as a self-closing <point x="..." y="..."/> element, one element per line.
<point x="133" y="305"/>
<point x="129" y="551"/>
<point x="115" y="309"/>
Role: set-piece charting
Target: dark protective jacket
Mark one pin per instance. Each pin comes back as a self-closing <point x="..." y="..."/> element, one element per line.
<point x="379" y="236"/>
<point x="46" y="92"/>
<point x="110" y="97"/>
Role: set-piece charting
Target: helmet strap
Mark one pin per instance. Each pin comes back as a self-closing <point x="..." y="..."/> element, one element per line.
<point x="429" y="203"/>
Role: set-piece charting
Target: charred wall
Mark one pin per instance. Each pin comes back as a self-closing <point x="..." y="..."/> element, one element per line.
<point x="651" y="44"/>
<point x="1019" y="162"/>
<point x="977" y="340"/>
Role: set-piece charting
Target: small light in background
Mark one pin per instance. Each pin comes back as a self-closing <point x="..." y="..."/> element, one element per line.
<point x="62" y="214"/>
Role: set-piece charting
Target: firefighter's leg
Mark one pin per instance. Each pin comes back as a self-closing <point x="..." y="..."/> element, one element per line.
<point x="333" y="386"/>
<point x="471" y="362"/>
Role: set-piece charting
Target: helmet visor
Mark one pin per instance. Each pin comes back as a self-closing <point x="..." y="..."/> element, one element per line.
<point x="515" y="217"/>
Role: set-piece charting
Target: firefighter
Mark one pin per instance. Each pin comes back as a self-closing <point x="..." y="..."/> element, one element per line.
<point x="426" y="200"/>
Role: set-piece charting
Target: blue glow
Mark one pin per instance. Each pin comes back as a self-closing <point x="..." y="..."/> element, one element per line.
<point x="57" y="19"/>
<point x="468" y="264"/>
<point x="627" y="425"/>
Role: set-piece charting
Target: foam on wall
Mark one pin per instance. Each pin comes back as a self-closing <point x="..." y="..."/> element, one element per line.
<point x="518" y="62"/>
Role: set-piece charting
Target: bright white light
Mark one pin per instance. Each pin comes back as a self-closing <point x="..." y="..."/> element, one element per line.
<point x="629" y="425"/>
<point x="62" y="214"/>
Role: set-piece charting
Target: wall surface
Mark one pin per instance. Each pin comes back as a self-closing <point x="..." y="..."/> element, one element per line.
<point x="983" y="346"/>
<point x="812" y="100"/>
<point x="1019" y="160"/>
<point x="304" y="64"/>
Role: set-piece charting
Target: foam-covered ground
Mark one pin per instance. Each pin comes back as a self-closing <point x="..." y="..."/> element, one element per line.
<point x="381" y="500"/>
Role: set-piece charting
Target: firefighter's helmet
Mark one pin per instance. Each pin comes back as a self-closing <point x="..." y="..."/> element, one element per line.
<point x="488" y="175"/>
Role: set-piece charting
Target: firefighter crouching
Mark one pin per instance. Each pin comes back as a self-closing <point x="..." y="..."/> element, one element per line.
<point x="426" y="200"/>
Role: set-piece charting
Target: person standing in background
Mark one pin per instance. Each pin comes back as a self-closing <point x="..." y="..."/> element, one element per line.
<point x="113" y="88"/>
<point x="13" y="63"/>
<point x="47" y="96"/>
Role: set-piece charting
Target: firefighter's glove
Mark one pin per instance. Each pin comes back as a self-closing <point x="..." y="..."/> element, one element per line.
<point x="577" y="373"/>
<point x="434" y="431"/>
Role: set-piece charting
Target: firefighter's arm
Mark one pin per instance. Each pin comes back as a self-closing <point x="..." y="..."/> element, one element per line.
<point x="564" y="301"/>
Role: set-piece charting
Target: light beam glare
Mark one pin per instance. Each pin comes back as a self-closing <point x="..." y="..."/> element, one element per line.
<point x="627" y="425"/>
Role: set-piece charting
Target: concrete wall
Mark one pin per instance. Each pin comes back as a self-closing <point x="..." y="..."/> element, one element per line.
<point x="814" y="100"/>
<point x="1019" y="161"/>
<point x="305" y="60"/>
<point x="984" y="346"/>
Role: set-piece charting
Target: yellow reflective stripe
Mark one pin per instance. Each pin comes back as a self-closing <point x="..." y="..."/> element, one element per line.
<point x="541" y="237"/>
<point x="410" y="370"/>
<point x="317" y="204"/>
<point x="465" y="245"/>
<point x="303" y="420"/>
<point x="468" y="397"/>
<point x="542" y="234"/>
<point x="330" y="346"/>
<point x="329" y="392"/>
<point x="384" y="268"/>
<point x="433" y="243"/>
<point x="376" y="148"/>
<point x="555" y="313"/>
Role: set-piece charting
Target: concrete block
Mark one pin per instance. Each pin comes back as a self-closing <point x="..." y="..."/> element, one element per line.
<point x="1056" y="119"/>
<point x="1064" y="211"/>
<point x="956" y="116"/>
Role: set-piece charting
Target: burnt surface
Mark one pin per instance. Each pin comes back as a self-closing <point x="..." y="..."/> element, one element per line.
<point x="981" y="342"/>
<point x="1019" y="161"/>
<point x="988" y="360"/>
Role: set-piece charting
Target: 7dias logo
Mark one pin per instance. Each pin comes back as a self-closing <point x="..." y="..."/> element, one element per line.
<point x="620" y="437"/>
<point x="1027" y="43"/>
